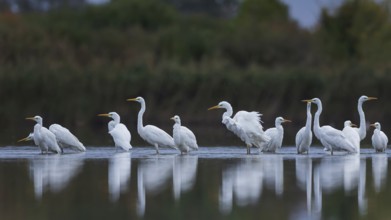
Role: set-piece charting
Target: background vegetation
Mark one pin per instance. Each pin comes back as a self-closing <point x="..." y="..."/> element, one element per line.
<point x="69" y="64"/>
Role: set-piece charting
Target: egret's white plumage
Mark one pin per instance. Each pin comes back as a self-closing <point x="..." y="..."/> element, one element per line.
<point x="330" y="137"/>
<point x="184" y="138"/>
<point x="118" y="131"/>
<point x="44" y="138"/>
<point x="362" y="130"/>
<point x="379" y="138"/>
<point x="304" y="135"/>
<point x="150" y="133"/>
<point x="29" y="138"/>
<point x="246" y="125"/>
<point x="276" y="136"/>
<point x="351" y="133"/>
<point x="66" y="139"/>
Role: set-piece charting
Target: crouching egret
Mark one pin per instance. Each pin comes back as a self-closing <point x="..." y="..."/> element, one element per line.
<point x="66" y="139"/>
<point x="150" y="133"/>
<point x="304" y="135"/>
<point x="184" y="138"/>
<point x="351" y="133"/>
<point x="331" y="138"/>
<point x="246" y="125"/>
<point x="44" y="138"/>
<point x="118" y="131"/>
<point x="276" y="135"/>
<point x="379" y="138"/>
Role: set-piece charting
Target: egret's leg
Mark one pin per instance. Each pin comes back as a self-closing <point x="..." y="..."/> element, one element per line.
<point x="248" y="149"/>
<point x="331" y="150"/>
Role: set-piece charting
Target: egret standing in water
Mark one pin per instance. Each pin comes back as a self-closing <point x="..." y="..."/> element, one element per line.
<point x="118" y="131"/>
<point x="246" y="125"/>
<point x="276" y="135"/>
<point x="379" y="139"/>
<point x="150" y="133"/>
<point x="184" y="138"/>
<point x="330" y="137"/>
<point x="304" y="135"/>
<point x="44" y="138"/>
<point x="362" y="130"/>
<point x="351" y="133"/>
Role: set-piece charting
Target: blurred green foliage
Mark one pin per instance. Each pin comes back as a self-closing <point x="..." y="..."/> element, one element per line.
<point x="69" y="65"/>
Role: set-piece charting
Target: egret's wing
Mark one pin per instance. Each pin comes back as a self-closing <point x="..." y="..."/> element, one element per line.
<point x="121" y="136"/>
<point x="353" y="136"/>
<point x="66" y="138"/>
<point x="189" y="138"/>
<point x="48" y="139"/>
<point x="153" y="134"/>
<point x="272" y="144"/>
<point x="384" y="138"/>
<point x="336" y="139"/>
<point x="299" y="136"/>
<point x="249" y="120"/>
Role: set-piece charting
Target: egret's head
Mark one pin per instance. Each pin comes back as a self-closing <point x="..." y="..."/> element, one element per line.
<point x="176" y="118"/>
<point x="281" y="120"/>
<point x="36" y="118"/>
<point x="112" y="115"/>
<point x="222" y="104"/>
<point x="28" y="138"/>
<point x="349" y="123"/>
<point x="376" y="125"/>
<point x="314" y="100"/>
<point x="365" y="98"/>
<point x="138" y="99"/>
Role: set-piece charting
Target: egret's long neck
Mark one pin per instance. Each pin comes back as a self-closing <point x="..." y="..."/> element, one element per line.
<point x="309" y="118"/>
<point x="316" y="120"/>
<point x="228" y="112"/>
<point x="37" y="130"/>
<point x="140" y="125"/>
<point x="117" y="119"/>
<point x="362" y="130"/>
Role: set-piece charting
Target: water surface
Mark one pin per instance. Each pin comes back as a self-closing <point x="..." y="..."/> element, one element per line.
<point x="213" y="183"/>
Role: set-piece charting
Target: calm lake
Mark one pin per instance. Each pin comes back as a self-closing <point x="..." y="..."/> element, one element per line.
<point x="213" y="183"/>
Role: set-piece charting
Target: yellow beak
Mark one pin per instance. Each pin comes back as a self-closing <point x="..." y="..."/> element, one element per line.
<point x="132" y="100"/>
<point x="214" y="107"/>
<point x="30" y="118"/>
<point x="372" y="125"/>
<point x="172" y="118"/>
<point x="104" y="115"/>
<point x="286" y="120"/>
<point x="23" y="139"/>
<point x="353" y="125"/>
<point x="307" y="100"/>
<point x="372" y="98"/>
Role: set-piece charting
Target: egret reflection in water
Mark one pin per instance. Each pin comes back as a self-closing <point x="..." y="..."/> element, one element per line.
<point x="379" y="170"/>
<point x="120" y="165"/>
<point x="245" y="181"/>
<point x="154" y="175"/>
<point x="53" y="172"/>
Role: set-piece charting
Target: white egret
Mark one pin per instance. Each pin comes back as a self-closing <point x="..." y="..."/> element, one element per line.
<point x="362" y="130"/>
<point x="184" y="138"/>
<point x="276" y="135"/>
<point x="118" y="131"/>
<point x="246" y="125"/>
<point x="351" y="133"/>
<point x="304" y="135"/>
<point x="330" y="137"/>
<point x="66" y="139"/>
<point x="379" y="138"/>
<point x="150" y="133"/>
<point x="44" y="138"/>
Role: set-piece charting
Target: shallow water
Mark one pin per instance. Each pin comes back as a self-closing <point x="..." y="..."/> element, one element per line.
<point x="213" y="183"/>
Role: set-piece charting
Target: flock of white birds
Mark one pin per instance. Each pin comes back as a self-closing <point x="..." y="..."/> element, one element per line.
<point x="246" y="125"/>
